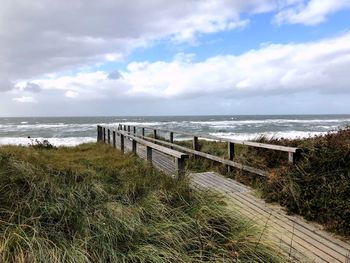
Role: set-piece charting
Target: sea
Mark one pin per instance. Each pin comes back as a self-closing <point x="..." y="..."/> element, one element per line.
<point x="71" y="131"/>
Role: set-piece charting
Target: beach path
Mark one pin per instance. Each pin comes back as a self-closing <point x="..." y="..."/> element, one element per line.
<point x="298" y="239"/>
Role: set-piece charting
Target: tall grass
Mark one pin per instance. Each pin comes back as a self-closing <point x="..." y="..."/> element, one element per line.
<point x="93" y="204"/>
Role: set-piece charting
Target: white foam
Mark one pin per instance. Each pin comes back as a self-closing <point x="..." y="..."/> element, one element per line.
<point x="267" y="121"/>
<point x="137" y="123"/>
<point x="68" y="141"/>
<point x="269" y="135"/>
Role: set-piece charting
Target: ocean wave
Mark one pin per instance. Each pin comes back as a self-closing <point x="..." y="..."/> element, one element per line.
<point x="269" y="135"/>
<point x="68" y="141"/>
<point x="268" y="121"/>
<point x="137" y="123"/>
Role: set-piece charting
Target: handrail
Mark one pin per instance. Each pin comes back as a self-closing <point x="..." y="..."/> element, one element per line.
<point x="211" y="157"/>
<point x="242" y="142"/>
<point x="158" y="147"/>
<point x="178" y="156"/>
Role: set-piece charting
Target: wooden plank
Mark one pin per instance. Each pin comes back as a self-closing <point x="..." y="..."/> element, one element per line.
<point x="195" y="143"/>
<point x="134" y="145"/>
<point x="213" y="157"/>
<point x="281" y="214"/>
<point x="98" y="133"/>
<point x="122" y="146"/>
<point x="276" y="234"/>
<point x="265" y="145"/>
<point x="160" y="148"/>
<point x="231" y="154"/>
<point x="303" y="231"/>
<point x="171" y="138"/>
<point x="247" y="143"/>
<point x="180" y="167"/>
<point x="114" y="140"/>
<point x="290" y="158"/>
<point x="149" y="154"/>
<point x="156" y="157"/>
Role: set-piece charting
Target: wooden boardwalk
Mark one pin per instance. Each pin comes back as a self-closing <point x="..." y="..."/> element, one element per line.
<point x="160" y="160"/>
<point x="300" y="240"/>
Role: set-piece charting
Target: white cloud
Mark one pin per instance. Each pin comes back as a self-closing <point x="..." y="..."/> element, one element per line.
<point x="62" y="35"/>
<point x="28" y="87"/>
<point x="320" y="66"/>
<point x="5" y="83"/>
<point x="25" y="99"/>
<point x="71" y="94"/>
<point x="311" y="13"/>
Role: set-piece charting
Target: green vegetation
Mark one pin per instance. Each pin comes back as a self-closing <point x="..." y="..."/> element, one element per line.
<point x="317" y="187"/>
<point x="93" y="204"/>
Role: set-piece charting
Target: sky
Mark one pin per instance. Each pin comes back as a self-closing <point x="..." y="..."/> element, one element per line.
<point x="167" y="57"/>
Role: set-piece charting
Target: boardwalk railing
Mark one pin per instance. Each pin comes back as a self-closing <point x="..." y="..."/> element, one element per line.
<point x="292" y="152"/>
<point x="168" y="160"/>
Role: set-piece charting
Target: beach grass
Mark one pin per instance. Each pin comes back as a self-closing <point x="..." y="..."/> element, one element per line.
<point x="91" y="203"/>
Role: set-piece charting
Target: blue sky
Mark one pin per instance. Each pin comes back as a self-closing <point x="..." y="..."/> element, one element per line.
<point x="174" y="57"/>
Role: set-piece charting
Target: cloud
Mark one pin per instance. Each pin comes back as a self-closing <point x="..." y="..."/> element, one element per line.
<point x="71" y="94"/>
<point x="115" y="75"/>
<point x="5" y="84"/>
<point x="311" y="13"/>
<point x="320" y="66"/>
<point x="25" y="99"/>
<point x="30" y="87"/>
<point x="57" y="36"/>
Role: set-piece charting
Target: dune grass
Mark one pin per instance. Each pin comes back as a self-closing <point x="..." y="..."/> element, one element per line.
<point x="93" y="204"/>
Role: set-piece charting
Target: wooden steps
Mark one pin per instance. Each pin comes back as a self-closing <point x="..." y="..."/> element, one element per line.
<point x="298" y="238"/>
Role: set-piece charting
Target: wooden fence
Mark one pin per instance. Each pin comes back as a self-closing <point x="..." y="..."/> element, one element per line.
<point x="140" y="131"/>
<point x="168" y="160"/>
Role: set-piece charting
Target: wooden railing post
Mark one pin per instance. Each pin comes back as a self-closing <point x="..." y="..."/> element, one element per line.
<point x="231" y="154"/>
<point x="124" y="127"/>
<point x="109" y="136"/>
<point x="122" y="142"/>
<point x="195" y="143"/>
<point x="129" y="129"/>
<point x="98" y="133"/>
<point x="134" y="145"/>
<point x="290" y="158"/>
<point x="143" y="132"/>
<point x="104" y="134"/>
<point x="155" y="134"/>
<point x="114" y="140"/>
<point x="171" y="139"/>
<point x="149" y="154"/>
<point x="180" y="167"/>
<point x="134" y="130"/>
